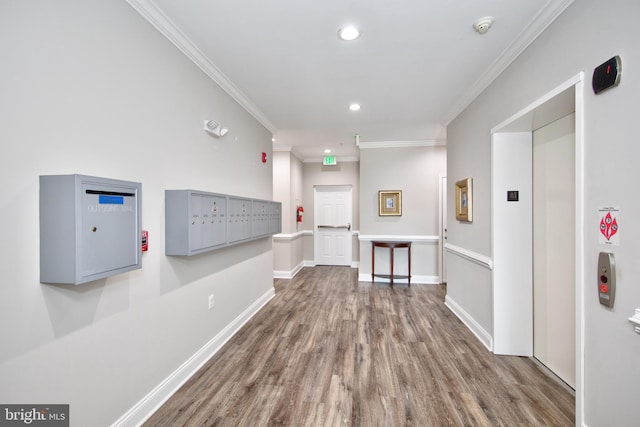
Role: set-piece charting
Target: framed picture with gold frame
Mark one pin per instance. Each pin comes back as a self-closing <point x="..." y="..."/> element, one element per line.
<point x="390" y="203"/>
<point x="464" y="200"/>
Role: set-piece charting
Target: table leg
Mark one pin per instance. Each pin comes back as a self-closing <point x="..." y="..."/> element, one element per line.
<point x="391" y="250"/>
<point x="409" y="255"/>
<point x="373" y="262"/>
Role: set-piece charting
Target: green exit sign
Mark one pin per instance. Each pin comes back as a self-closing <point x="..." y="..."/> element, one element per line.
<point x="329" y="161"/>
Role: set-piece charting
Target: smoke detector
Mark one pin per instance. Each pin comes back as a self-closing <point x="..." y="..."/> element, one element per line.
<point x="482" y="25"/>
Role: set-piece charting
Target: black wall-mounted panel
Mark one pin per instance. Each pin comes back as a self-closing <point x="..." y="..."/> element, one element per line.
<point x="607" y="75"/>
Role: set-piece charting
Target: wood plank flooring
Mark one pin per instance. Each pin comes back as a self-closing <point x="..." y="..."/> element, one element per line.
<point x="329" y="351"/>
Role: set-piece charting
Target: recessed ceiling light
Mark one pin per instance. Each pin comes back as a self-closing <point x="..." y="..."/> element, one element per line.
<point x="348" y="33"/>
<point x="354" y="107"/>
<point x="327" y="151"/>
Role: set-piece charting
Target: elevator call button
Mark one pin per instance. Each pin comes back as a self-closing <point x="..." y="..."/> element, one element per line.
<point x="606" y="279"/>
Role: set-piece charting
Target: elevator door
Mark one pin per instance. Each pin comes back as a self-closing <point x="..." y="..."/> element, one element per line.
<point x="554" y="297"/>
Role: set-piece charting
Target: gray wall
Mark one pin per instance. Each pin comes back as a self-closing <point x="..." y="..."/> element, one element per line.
<point x="588" y="33"/>
<point x="287" y="187"/>
<point x="415" y="171"/>
<point x="315" y="173"/>
<point x="288" y="253"/>
<point x="92" y="88"/>
<point x="294" y="182"/>
<point x="344" y="173"/>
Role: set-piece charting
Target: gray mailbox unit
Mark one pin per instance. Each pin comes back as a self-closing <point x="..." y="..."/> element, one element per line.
<point x="239" y="219"/>
<point x="90" y="228"/>
<point x="266" y="218"/>
<point x="197" y="221"/>
<point x="261" y="215"/>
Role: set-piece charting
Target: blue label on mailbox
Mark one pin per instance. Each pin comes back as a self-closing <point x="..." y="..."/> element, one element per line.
<point x="110" y="200"/>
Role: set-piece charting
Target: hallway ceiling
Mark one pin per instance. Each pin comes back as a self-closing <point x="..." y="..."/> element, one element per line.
<point x="416" y="65"/>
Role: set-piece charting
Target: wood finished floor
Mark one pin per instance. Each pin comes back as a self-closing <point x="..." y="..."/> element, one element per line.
<point x="329" y="351"/>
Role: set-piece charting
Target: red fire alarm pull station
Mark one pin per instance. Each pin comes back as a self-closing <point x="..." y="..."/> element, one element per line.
<point x="299" y="213"/>
<point x="145" y="240"/>
<point x="264" y="157"/>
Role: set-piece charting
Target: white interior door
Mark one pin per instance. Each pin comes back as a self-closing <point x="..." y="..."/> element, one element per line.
<point x="554" y="247"/>
<point x="332" y="220"/>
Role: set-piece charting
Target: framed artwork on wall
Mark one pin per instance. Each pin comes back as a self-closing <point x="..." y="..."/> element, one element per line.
<point x="464" y="200"/>
<point x="390" y="203"/>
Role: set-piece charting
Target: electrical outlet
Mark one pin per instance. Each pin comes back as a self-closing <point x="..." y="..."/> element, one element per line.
<point x="210" y="301"/>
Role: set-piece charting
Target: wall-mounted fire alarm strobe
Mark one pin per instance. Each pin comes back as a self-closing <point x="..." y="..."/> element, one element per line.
<point x="607" y="75"/>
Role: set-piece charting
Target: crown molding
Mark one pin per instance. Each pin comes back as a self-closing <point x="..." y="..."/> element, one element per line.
<point x="167" y="28"/>
<point x="288" y="149"/>
<point x="540" y="22"/>
<point x="403" y="144"/>
<point x="282" y="148"/>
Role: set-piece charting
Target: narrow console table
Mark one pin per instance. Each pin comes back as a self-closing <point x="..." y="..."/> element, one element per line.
<point x="392" y="246"/>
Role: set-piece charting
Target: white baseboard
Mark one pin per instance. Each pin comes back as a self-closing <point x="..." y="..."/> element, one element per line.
<point x="142" y="410"/>
<point x="484" y="336"/>
<point x="283" y="274"/>
<point x="419" y="280"/>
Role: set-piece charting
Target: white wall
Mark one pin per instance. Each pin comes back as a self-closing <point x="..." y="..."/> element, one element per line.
<point x="282" y="188"/>
<point x="568" y="46"/>
<point x="415" y="171"/>
<point x="92" y="88"/>
<point x="512" y="276"/>
<point x="287" y="187"/>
